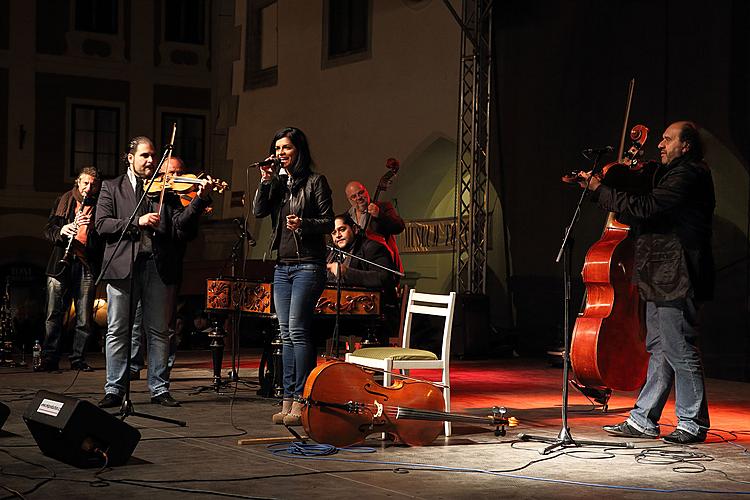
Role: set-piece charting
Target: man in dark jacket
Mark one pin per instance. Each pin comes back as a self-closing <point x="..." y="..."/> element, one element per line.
<point x="674" y="274"/>
<point x="348" y="236"/>
<point x="71" y="274"/>
<point x="379" y="218"/>
<point x="156" y="240"/>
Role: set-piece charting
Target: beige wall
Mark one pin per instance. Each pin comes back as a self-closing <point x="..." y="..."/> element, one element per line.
<point x="355" y="115"/>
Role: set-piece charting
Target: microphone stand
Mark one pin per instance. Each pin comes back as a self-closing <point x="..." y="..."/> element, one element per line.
<point x="243" y="240"/>
<point x="127" y="408"/>
<point x="338" y="256"/>
<point x="233" y="374"/>
<point x="564" y="439"/>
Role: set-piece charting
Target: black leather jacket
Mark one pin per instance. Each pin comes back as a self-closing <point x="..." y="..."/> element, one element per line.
<point x="312" y="203"/>
<point x="672" y="227"/>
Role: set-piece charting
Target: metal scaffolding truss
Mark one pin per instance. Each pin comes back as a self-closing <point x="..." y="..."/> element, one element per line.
<point x="472" y="165"/>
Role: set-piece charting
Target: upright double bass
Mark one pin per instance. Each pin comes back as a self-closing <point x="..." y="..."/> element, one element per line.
<point x="608" y="348"/>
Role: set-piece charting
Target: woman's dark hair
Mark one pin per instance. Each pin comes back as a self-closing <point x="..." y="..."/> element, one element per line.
<point x="304" y="162"/>
<point x="133" y="146"/>
<point x="690" y="134"/>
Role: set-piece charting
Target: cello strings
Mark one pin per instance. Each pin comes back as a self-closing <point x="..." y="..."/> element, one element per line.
<point x="418" y="414"/>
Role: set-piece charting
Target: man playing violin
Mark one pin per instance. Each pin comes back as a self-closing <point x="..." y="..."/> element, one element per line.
<point x="156" y="239"/>
<point x="384" y="220"/>
<point x="174" y="166"/>
<point x="674" y="274"/>
<point x="71" y="273"/>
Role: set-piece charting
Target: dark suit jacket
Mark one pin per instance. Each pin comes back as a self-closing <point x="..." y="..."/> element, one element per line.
<point x="178" y="225"/>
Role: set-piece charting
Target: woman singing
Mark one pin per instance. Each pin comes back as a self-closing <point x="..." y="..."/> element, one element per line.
<point x="299" y="203"/>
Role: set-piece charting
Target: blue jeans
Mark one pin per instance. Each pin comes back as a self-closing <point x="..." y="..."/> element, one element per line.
<point x="78" y="286"/>
<point x="296" y="289"/>
<point x="157" y="298"/>
<point x="671" y="339"/>
<point x="137" y="359"/>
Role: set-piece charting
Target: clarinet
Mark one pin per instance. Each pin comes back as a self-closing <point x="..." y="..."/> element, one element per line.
<point x="68" y="256"/>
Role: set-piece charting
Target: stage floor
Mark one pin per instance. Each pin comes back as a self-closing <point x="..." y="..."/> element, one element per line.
<point x="205" y="459"/>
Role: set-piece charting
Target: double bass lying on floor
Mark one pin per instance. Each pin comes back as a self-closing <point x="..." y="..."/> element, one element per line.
<point x="344" y="405"/>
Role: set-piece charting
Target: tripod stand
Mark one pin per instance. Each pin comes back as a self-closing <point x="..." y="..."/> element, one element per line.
<point x="127" y="408"/>
<point x="564" y="439"/>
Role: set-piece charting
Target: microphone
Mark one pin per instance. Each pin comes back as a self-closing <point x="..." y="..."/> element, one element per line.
<point x="271" y="161"/>
<point x="600" y="151"/>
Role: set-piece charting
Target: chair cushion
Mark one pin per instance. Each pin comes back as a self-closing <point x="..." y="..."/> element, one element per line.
<point x="397" y="353"/>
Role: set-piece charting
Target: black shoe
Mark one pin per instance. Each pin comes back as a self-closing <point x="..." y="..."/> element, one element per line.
<point x="81" y="366"/>
<point x="679" y="436"/>
<point x="165" y="399"/>
<point x="110" y="401"/>
<point x="624" y="429"/>
<point x="134" y="375"/>
<point x="47" y="366"/>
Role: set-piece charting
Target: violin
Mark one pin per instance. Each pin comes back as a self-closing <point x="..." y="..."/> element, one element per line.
<point x="343" y="404"/>
<point x="630" y="173"/>
<point x="182" y="184"/>
<point x="187" y="198"/>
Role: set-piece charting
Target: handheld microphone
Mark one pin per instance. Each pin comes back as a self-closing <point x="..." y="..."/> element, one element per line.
<point x="271" y="161"/>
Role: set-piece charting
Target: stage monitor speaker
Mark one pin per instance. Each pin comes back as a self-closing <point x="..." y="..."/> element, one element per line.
<point x="77" y="432"/>
<point x="4" y="412"/>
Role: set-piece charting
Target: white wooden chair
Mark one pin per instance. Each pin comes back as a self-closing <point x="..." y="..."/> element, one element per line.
<point x="405" y="358"/>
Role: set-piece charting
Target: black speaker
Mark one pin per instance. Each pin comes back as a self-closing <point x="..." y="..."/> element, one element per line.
<point x="4" y="412"/>
<point x="77" y="432"/>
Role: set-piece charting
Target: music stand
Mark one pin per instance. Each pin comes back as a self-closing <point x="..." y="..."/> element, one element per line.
<point x="127" y="408"/>
<point x="564" y="439"/>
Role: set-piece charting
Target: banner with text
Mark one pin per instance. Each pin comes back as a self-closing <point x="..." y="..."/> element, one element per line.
<point x="433" y="235"/>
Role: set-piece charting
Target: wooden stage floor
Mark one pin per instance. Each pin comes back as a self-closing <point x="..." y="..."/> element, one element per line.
<point x="203" y="460"/>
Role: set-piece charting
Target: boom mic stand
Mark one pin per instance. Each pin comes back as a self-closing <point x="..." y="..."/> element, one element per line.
<point x="564" y="439"/>
<point x="127" y="408"/>
<point x="338" y="257"/>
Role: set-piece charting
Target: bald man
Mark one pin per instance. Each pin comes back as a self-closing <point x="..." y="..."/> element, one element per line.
<point x="674" y="273"/>
<point x="379" y="218"/>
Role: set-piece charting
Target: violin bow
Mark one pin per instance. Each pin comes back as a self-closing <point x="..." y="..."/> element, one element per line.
<point x="165" y="177"/>
<point x="621" y="149"/>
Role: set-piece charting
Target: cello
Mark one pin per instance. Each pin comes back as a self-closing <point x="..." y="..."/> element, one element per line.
<point x="343" y="404"/>
<point x="392" y="166"/>
<point x="608" y="348"/>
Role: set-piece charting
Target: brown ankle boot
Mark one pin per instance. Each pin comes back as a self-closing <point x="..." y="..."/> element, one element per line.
<point x="286" y="406"/>
<point x="295" y="415"/>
